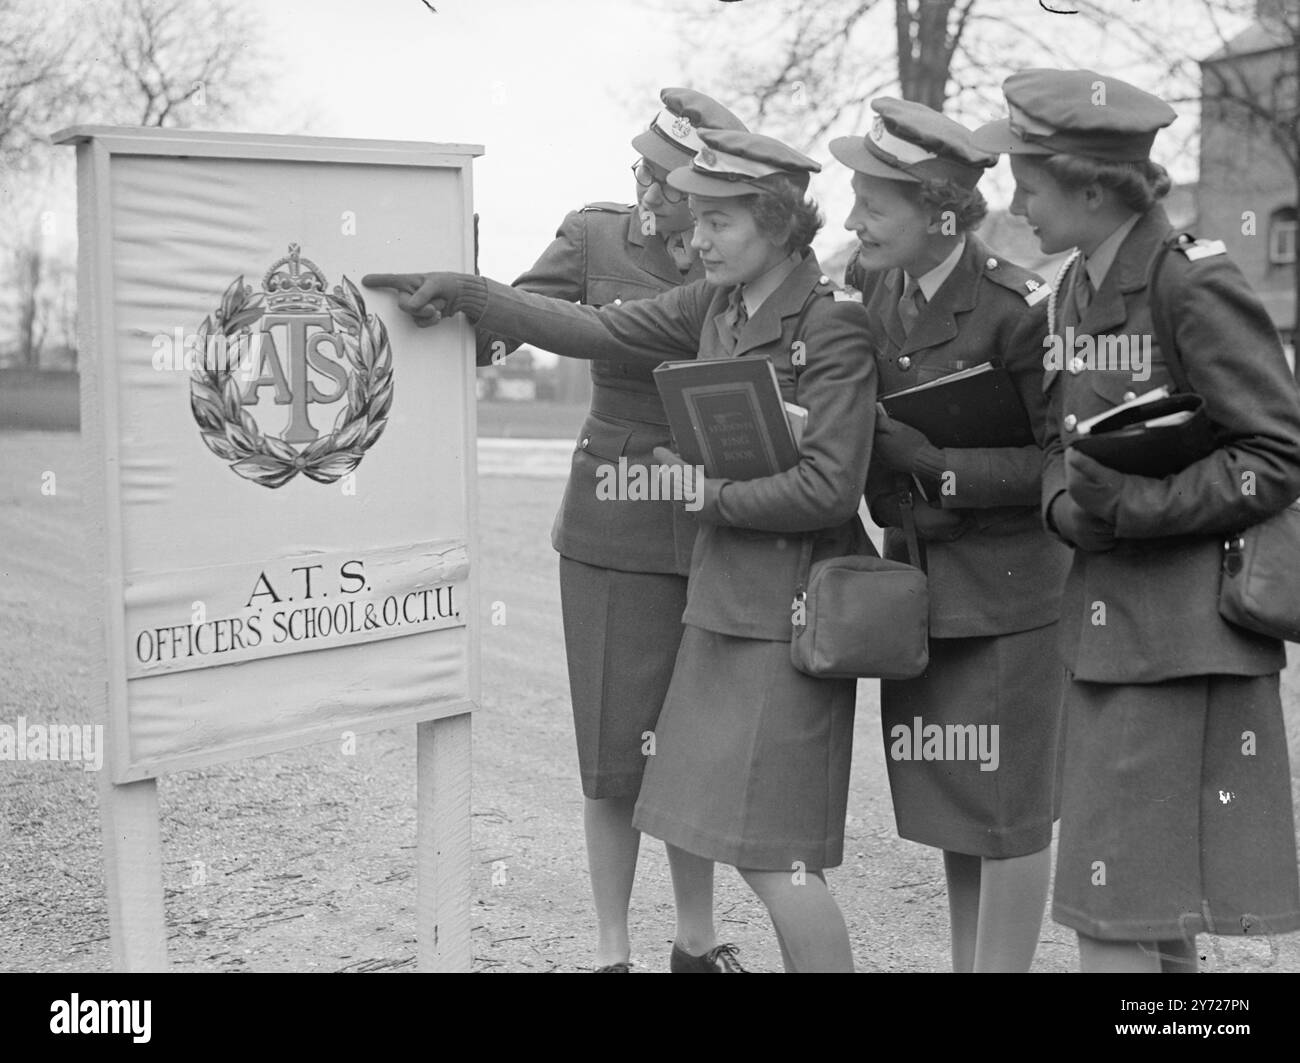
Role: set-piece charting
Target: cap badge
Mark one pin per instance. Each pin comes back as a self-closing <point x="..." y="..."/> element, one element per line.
<point x="682" y="127"/>
<point x="707" y="156"/>
<point x="878" y="128"/>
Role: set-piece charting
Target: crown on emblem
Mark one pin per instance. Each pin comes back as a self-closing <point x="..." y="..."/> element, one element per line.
<point x="682" y="127"/>
<point x="294" y="283"/>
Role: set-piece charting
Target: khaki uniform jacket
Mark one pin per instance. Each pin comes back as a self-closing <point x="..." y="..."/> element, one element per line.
<point x="1148" y="610"/>
<point x="746" y="558"/>
<point x="1003" y="573"/>
<point x="599" y="257"/>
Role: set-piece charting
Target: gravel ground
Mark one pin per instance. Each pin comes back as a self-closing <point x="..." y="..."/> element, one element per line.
<point x="304" y="861"/>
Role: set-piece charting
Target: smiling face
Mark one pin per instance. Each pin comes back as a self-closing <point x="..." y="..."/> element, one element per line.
<point x="669" y="217"/>
<point x="1058" y="215"/>
<point x="893" y="229"/>
<point x="732" y="248"/>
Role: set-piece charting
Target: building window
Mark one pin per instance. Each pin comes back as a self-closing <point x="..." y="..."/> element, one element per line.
<point x="1282" y="237"/>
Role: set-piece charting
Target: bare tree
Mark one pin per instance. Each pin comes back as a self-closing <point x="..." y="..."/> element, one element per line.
<point x="33" y="80"/>
<point x="171" y="62"/>
<point x="140" y="62"/>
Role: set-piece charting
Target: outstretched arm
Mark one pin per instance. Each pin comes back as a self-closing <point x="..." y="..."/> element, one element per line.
<point x="645" y="331"/>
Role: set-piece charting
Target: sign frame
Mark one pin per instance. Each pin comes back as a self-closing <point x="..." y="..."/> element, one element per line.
<point x="128" y="789"/>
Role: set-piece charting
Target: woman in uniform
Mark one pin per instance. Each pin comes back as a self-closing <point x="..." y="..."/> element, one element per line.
<point x="752" y="757"/>
<point x="940" y="301"/>
<point x="623" y="564"/>
<point x="1169" y="707"/>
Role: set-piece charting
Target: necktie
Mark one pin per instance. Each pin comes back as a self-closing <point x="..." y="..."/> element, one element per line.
<point x="911" y="304"/>
<point x="1081" y="290"/>
<point x="737" y="316"/>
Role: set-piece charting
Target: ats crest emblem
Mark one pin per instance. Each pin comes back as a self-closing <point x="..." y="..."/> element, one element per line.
<point x="295" y="305"/>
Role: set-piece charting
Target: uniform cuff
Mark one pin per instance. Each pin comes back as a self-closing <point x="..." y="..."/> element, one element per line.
<point x="929" y="463"/>
<point x="471" y="300"/>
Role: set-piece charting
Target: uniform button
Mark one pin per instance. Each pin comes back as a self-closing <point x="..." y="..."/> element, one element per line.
<point x="905" y="362"/>
<point x="618" y="302"/>
<point x="992" y="263"/>
<point x="585" y="441"/>
<point x="823" y="279"/>
<point x="1070" y="422"/>
<point x="1129" y="396"/>
<point x="1076" y="365"/>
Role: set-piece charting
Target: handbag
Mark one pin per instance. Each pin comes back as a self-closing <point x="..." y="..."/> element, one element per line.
<point x="862" y="616"/>
<point x="1259" y="582"/>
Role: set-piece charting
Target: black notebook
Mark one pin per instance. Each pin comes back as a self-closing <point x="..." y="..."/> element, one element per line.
<point x="727" y="414"/>
<point x="976" y="407"/>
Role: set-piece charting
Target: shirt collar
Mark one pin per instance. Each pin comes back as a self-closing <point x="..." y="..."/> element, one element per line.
<point x="931" y="282"/>
<point x="757" y="290"/>
<point x="1100" y="261"/>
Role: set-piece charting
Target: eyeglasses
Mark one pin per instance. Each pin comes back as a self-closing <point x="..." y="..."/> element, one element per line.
<point x="645" y="177"/>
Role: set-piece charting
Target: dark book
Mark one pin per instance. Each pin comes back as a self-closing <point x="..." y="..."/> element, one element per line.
<point x="976" y="407"/>
<point x="1156" y="435"/>
<point x="727" y="415"/>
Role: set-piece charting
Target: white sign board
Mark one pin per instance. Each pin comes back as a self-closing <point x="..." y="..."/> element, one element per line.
<point x="285" y="490"/>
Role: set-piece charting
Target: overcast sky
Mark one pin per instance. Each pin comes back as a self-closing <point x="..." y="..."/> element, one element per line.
<point x="553" y="89"/>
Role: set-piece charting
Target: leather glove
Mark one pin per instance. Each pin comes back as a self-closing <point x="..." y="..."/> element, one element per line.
<point x="1093" y="486"/>
<point x="1079" y="527"/>
<point x="427" y="297"/>
<point x="898" y="445"/>
<point x="938" y="525"/>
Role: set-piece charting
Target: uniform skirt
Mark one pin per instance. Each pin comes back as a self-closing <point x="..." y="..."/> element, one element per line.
<point x="751" y="759"/>
<point x="1177" y="811"/>
<point x="991" y="790"/>
<point x="621" y="632"/>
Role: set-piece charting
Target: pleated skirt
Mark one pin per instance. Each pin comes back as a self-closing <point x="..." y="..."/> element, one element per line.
<point x="751" y="759"/>
<point x="621" y="634"/>
<point x="1176" y="816"/>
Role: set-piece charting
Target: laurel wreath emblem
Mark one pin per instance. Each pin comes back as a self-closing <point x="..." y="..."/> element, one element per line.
<point x="230" y="431"/>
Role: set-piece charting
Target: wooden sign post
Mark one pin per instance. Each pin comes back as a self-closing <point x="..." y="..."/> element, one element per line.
<point x="281" y="499"/>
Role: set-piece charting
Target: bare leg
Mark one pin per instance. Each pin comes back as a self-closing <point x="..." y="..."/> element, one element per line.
<point x="1013" y="894"/>
<point x="693" y="893"/>
<point x="808" y="920"/>
<point x="612" y="846"/>
<point x="1179" y="956"/>
<point x="1118" y="957"/>
<point x="963" y="873"/>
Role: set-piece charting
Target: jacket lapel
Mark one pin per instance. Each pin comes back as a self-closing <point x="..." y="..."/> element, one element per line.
<point x="650" y="254"/>
<point x="1127" y="273"/>
<point x="787" y="301"/>
<point x="938" y="323"/>
<point x="883" y="307"/>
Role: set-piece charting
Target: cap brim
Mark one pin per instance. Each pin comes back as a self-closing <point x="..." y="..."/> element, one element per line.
<point x="652" y="146"/>
<point x="998" y="138"/>
<point x="685" y="179"/>
<point x="854" y="154"/>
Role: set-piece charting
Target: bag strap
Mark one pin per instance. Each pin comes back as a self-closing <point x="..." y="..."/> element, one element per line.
<point x="1160" y="314"/>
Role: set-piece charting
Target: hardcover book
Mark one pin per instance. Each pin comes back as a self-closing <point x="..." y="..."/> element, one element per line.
<point x="727" y="415"/>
